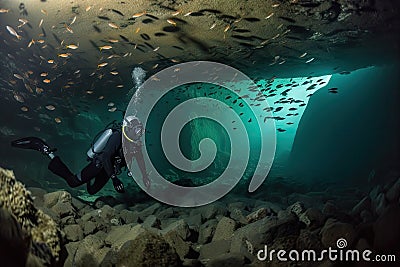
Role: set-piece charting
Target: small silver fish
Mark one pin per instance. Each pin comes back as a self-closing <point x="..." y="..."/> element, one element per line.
<point x="73" y="21"/>
<point x="13" y="32"/>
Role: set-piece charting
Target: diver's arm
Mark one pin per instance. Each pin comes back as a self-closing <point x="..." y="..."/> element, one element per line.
<point x="111" y="148"/>
<point x="140" y="161"/>
<point x="142" y="166"/>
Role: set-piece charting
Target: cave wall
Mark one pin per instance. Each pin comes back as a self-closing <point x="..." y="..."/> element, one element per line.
<point x="346" y="137"/>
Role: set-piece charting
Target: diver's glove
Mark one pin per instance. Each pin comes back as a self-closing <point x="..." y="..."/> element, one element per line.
<point x="118" y="185"/>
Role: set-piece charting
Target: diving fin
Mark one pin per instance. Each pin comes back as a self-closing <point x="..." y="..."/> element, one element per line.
<point x="33" y="143"/>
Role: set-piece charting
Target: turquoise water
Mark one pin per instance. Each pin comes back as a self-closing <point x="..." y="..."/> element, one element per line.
<point x="333" y="125"/>
<point x="330" y="137"/>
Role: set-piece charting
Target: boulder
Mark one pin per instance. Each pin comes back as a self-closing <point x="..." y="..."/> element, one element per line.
<point x="214" y="249"/>
<point x="236" y="205"/>
<point x="39" y="227"/>
<point x="334" y="230"/>
<point x="180" y="227"/>
<point x="263" y="232"/>
<point x="393" y="192"/>
<point x="51" y="214"/>
<point x="206" y="231"/>
<point x="91" y="216"/>
<point x="73" y="232"/>
<point x="273" y="207"/>
<point x="149" y="211"/>
<point x="379" y="204"/>
<point x="152" y="222"/>
<point x="210" y="211"/>
<point x="238" y="216"/>
<point x="51" y="199"/>
<point x="78" y="204"/>
<point x="366" y="216"/>
<point x="315" y="217"/>
<point x="305" y="200"/>
<point x="192" y="263"/>
<point x="296" y="208"/>
<point x="147" y="249"/>
<point x="105" y="200"/>
<point x="90" y="252"/>
<point x="224" y="229"/>
<point x="362" y="244"/>
<point x="375" y="191"/>
<point x="63" y="209"/>
<point x="121" y="207"/>
<point x="181" y="247"/>
<point x="329" y="209"/>
<point x="387" y="230"/>
<point x="228" y="260"/>
<point x="194" y="220"/>
<point x="364" y="204"/>
<point x="166" y="213"/>
<point x="70" y="219"/>
<point x="85" y="210"/>
<point x="108" y="213"/>
<point x="285" y="242"/>
<point x="14" y="243"/>
<point x="129" y="217"/>
<point x="308" y="240"/>
<point x="119" y="235"/>
<point x="71" y="248"/>
<point x="37" y="195"/>
<point x="257" y="215"/>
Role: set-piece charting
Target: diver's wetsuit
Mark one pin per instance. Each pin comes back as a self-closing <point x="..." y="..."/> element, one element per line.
<point x="101" y="167"/>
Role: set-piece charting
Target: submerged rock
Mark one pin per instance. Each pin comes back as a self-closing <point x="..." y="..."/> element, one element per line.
<point x="387" y="230"/>
<point x="51" y="199"/>
<point x="73" y="232"/>
<point x="89" y="252"/>
<point x="308" y="240"/>
<point x="39" y="227"/>
<point x="152" y="222"/>
<point x="206" y="231"/>
<point x="146" y="249"/>
<point x="228" y="260"/>
<point x="214" y="249"/>
<point x="182" y="248"/>
<point x="14" y="243"/>
<point x="364" y="204"/>
<point x="225" y="229"/>
<point x="394" y="192"/>
<point x="254" y="236"/>
<point x="179" y="227"/>
<point x="149" y="211"/>
<point x="237" y="215"/>
<point x="119" y="235"/>
<point x="257" y="215"/>
<point x="334" y="230"/>
<point x="210" y="211"/>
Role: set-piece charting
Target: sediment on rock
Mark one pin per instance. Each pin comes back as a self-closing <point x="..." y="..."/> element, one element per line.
<point x="41" y="234"/>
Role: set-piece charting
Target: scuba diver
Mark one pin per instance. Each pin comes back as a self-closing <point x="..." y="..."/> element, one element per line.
<point x="105" y="156"/>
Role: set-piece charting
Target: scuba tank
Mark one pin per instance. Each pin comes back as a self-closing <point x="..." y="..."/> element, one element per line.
<point x="99" y="144"/>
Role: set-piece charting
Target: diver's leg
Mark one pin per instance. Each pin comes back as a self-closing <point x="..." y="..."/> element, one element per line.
<point x="58" y="167"/>
<point x="99" y="182"/>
